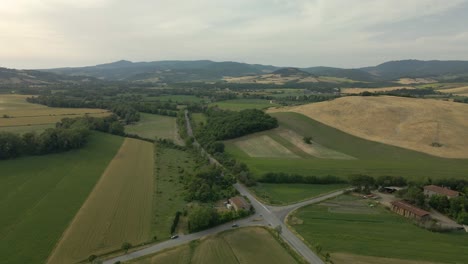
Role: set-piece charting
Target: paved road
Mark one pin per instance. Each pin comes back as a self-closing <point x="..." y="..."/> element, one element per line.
<point x="265" y="215"/>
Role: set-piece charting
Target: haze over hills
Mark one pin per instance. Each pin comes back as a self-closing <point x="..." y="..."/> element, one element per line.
<point x="206" y="70"/>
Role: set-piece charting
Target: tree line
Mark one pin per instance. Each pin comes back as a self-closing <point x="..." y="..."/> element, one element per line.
<point x="52" y="140"/>
<point x="124" y="110"/>
<point x="280" y="177"/>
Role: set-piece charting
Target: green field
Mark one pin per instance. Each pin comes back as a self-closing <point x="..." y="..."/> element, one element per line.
<point x="24" y="129"/>
<point x="40" y="195"/>
<point x="289" y="193"/>
<point x="233" y="246"/>
<point x="242" y="104"/>
<point x="168" y="198"/>
<point x="348" y="225"/>
<point x="151" y="126"/>
<point x="370" y="157"/>
<point x="198" y="118"/>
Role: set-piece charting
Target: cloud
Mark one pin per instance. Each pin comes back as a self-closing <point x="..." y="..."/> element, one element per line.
<point x="303" y="32"/>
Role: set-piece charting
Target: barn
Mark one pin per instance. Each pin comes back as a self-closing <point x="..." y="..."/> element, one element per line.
<point x="410" y="211"/>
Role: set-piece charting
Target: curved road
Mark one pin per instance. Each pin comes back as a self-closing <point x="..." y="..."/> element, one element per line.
<point x="265" y="215"/>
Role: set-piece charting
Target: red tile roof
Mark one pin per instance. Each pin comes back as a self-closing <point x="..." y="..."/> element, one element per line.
<point x="441" y="190"/>
<point x="408" y="207"/>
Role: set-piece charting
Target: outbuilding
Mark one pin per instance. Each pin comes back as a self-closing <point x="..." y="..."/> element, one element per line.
<point x="410" y="211"/>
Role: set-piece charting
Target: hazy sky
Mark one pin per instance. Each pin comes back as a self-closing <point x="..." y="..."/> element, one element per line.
<point x="344" y="33"/>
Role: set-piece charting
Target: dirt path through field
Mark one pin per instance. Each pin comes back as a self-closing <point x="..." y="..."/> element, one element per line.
<point x="118" y="209"/>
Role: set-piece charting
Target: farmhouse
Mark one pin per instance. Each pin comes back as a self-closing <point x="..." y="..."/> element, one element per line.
<point x="410" y="211"/>
<point x="431" y="190"/>
<point x="239" y="203"/>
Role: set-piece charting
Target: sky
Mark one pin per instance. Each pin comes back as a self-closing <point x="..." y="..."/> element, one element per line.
<point x="38" y="34"/>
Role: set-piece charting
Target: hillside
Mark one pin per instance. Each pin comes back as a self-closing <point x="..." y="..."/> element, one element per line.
<point x="32" y="77"/>
<point x="287" y="72"/>
<point x="416" y="68"/>
<point x="207" y="70"/>
<point x="353" y="74"/>
<point x="405" y="122"/>
<point x="167" y="71"/>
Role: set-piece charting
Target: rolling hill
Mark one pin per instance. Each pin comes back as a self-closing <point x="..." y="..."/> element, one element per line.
<point x="415" y="68"/>
<point x="206" y="70"/>
<point x="167" y="71"/>
<point x="32" y="77"/>
<point x="435" y="127"/>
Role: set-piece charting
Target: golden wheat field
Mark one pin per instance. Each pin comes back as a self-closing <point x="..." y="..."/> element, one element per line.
<point x="16" y="111"/>
<point x="118" y="210"/>
<point x="405" y="122"/>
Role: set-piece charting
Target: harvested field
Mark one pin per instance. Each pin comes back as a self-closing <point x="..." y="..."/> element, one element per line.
<point x="373" y="90"/>
<point x="405" y="122"/>
<point x="118" y="210"/>
<point x="40" y="195"/>
<point x="22" y="113"/>
<point x="463" y="91"/>
<point x="152" y="126"/>
<point x="264" y="146"/>
<point x="416" y="80"/>
<point x="233" y="246"/>
<point x="372" y="158"/>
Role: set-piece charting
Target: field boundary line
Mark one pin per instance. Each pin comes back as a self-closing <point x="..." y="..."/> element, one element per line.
<point x="81" y="207"/>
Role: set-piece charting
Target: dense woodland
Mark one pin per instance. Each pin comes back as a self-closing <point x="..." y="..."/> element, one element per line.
<point x="223" y="124"/>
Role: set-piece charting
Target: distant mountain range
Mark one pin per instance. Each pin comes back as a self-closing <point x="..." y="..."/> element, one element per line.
<point x="206" y="70"/>
<point x="33" y="77"/>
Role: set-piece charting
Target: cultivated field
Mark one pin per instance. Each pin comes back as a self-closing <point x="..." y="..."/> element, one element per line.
<point x="279" y="79"/>
<point x="151" y="126"/>
<point x="23" y="116"/>
<point x="234" y="246"/>
<point x="242" y="104"/>
<point x="405" y="122"/>
<point x="286" y="193"/>
<point x="263" y="146"/>
<point x="118" y="210"/>
<point x="347" y="225"/>
<point x="370" y="158"/>
<point x="40" y="195"/>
